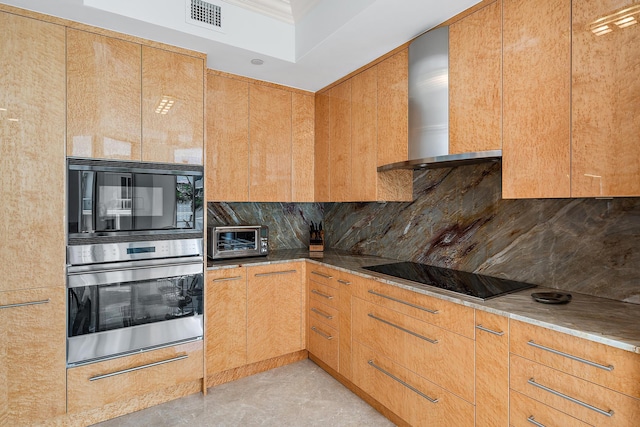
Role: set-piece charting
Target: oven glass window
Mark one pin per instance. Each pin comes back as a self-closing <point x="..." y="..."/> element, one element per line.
<point x="119" y="305"/>
<point x="237" y="241"/>
<point x="155" y="201"/>
<point x="114" y="201"/>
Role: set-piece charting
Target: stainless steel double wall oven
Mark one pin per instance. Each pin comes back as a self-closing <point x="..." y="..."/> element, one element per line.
<point x="134" y="257"/>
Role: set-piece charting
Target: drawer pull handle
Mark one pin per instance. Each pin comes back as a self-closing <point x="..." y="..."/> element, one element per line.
<point x="275" y="273"/>
<point x="410" y="387"/>
<point x="570" y="356"/>
<point x="321" y="294"/>
<point x="137" y="368"/>
<point x="534" y="422"/>
<point x="22" y="304"/>
<point x="322" y="334"/>
<point x="569" y="398"/>
<point x="322" y="313"/>
<point x="432" y="341"/>
<point x="482" y="328"/>
<point x="344" y="282"/>
<point x="326" y="276"/>
<point x="226" y="279"/>
<point x="371" y="291"/>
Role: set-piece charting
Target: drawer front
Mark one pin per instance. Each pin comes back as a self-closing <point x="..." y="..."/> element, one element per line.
<point x="453" y="317"/>
<point x="322" y="275"/>
<point x="581" y="399"/>
<point x="526" y="412"/>
<point x="319" y="312"/>
<point x="610" y="367"/>
<point x="324" y="294"/>
<point x="98" y="384"/>
<point x="438" y="355"/>
<point x="324" y="343"/>
<point x="411" y="397"/>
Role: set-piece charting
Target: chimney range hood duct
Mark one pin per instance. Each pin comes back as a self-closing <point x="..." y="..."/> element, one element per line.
<point x="429" y="108"/>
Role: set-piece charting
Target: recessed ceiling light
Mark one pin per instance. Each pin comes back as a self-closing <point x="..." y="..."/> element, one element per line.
<point x="257" y="61"/>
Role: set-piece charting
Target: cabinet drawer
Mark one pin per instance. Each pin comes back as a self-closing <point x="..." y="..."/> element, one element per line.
<point x="98" y="384"/>
<point x="581" y="399"/>
<point x="438" y="355"/>
<point x="411" y="397"/>
<point x="608" y="366"/>
<point x="324" y="343"/>
<point x="325" y="294"/>
<point x="454" y="317"/>
<point x="319" y="312"/>
<point x="323" y="275"/>
<point x="526" y="412"/>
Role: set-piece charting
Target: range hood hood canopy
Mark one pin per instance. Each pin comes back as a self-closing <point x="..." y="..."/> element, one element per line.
<point x="429" y="108"/>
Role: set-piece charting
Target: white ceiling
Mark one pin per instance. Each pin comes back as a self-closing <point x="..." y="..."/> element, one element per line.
<point x="305" y="44"/>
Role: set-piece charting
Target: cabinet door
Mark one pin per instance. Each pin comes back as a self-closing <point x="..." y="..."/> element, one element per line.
<point x="605" y="99"/>
<point x="475" y="101"/>
<point x="226" y="319"/>
<point x="270" y="144"/>
<point x="32" y="167"/>
<point x="322" y="172"/>
<point x="492" y="369"/>
<point x="172" y="107"/>
<point x="302" y="171"/>
<point x="227" y="139"/>
<point x="32" y="355"/>
<point x="536" y="98"/>
<point x="274" y="311"/>
<point x="364" y="135"/>
<point x="103" y="97"/>
<point x="340" y="142"/>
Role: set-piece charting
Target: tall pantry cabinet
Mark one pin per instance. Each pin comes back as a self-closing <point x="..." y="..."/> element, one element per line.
<point x="32" y="252"/>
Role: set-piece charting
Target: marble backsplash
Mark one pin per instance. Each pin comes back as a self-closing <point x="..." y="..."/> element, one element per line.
<point x="459" y="220"/>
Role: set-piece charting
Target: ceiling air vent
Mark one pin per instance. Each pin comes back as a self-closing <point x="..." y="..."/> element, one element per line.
<point x="204" y="14"/>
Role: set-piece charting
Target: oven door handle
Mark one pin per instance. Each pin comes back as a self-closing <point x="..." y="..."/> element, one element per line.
<point x="71" y="272"/>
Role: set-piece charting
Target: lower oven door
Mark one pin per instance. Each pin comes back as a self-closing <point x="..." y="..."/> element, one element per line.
<point x="121" y="308"/>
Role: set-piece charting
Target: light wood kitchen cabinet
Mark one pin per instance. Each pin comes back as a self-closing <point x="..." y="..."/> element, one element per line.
<point x="172" y="107"/>
<point x="340" y="142"/>
<point x="275" y="304"/>
<point x="536" y="157"/>
<point x="364" y="134"/>
<point x="492" y="369"/>
<point x="605" y="99"/>
<point x="475" y="74"/>
<point x="322" y="143"/>
<point x="302" y="147"/>
<point x="227" y="139"/>
<point x="32" y="167"/>
<point x="522" y="408"/>
<point x="226" y="319"/>
<point x="270" y="142"/>
<point x="103" y="97"/>
<point x="32" y="354"/>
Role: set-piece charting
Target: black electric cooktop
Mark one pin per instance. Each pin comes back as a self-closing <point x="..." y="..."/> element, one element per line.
<point x="474" y="285"/>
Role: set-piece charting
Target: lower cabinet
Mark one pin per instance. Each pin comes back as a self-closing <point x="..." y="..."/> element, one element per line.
<point x="32" y="354"/>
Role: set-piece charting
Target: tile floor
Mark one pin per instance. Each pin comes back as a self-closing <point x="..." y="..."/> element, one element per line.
<point x="300" y="394"/>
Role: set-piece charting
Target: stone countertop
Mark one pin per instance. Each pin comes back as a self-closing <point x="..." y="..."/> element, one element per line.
<point x="601" y="320"/>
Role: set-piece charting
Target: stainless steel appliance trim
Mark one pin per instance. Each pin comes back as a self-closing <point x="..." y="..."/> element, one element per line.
<point x="315" y="291"/>
<point x="322" y="313"/>
<point x="137" y="368"/>
<point x="23" y="304"/>
<point x="133" y="273"/>
<point x="410" y="387"/>
<point x="569" y="398"/>
<point x="371" y="291"/>
<point x="76" y="163"/>
<point x="326" y="276"/>
<point x="98" y="346"/>
<point x="132" y="251"/>
<point x="533" y="421"/>
<point x="570" y="356"/>
<point x="445" y="161"/>
<point x="275" y="273"/>
<point x="322" y="334"/>
<point x="415" y="334"/>
<point x="491" y="331"/>
<point x="227" y="279"/>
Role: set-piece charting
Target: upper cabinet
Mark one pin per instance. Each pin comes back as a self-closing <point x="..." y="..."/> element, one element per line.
<point x="103" y="97"/>
<point x="475" y="72"/>
<point x="605" y="109"/>
<point x="132" y="102"/>
<point x="259" y="141"/>
<point x="172" y="107"/>
<point x="362" y="123"/>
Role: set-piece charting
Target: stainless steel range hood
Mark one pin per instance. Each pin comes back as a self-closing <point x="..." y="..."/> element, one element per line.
<point x="429" y="108"/>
